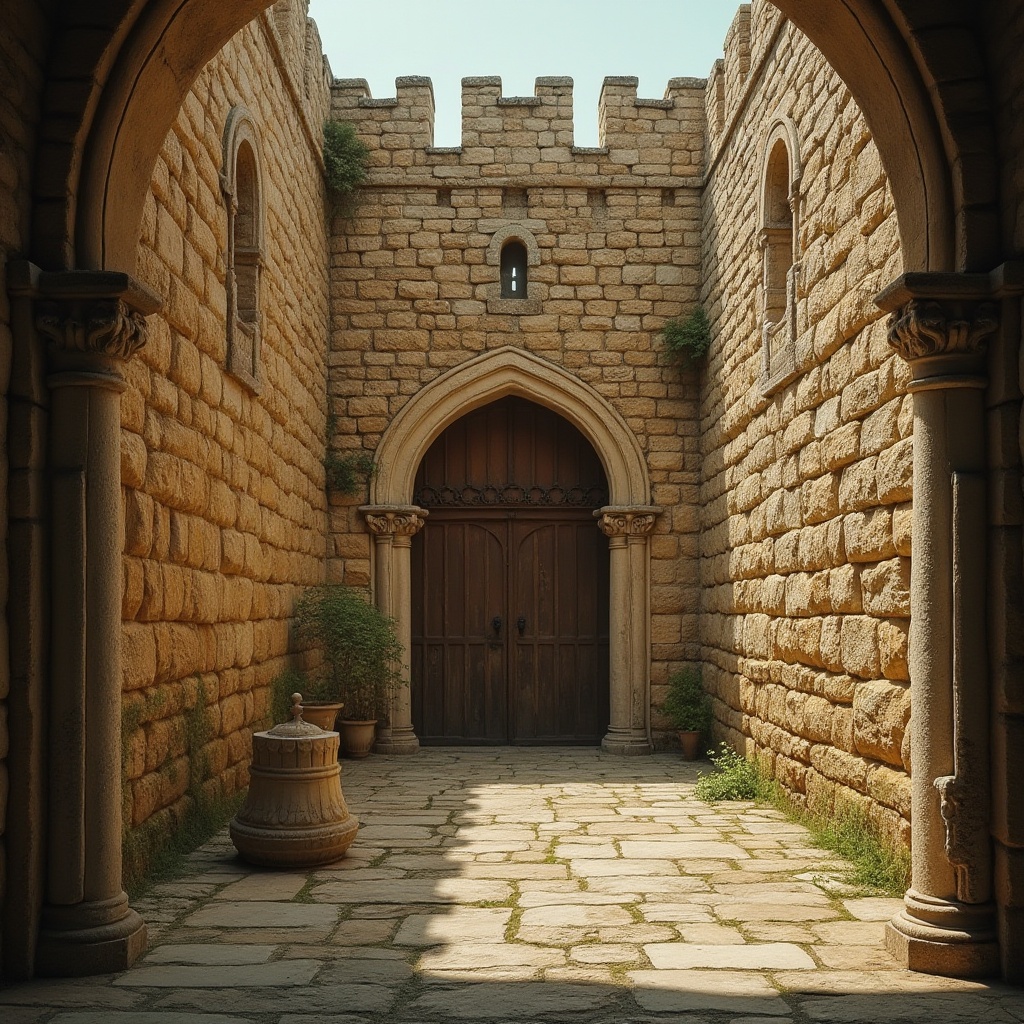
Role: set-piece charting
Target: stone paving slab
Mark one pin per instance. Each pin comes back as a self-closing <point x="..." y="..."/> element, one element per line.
<point x="540" y="886"/>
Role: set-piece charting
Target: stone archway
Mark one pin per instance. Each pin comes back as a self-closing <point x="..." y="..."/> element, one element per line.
<point x="627" y="521"/>
<point x="117" y="81"/>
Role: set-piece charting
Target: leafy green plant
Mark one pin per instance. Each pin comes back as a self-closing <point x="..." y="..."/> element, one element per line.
<point x="735" y="778"/>
<point x="361" y="650"/>
<point x="688" y="338"/>
<point x="345" y="163"/>
<point x="348" y="471"/>
<point x="686" y="705"/>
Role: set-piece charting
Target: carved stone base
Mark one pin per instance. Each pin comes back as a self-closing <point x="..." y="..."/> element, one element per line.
<point x="82" y="939"/>
<point x="625" y="742"/>
<point x="399" y="740"/>
<point x="944" y="937"/>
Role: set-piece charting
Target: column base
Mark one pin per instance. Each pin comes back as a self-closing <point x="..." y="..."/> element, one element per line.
<point x="628" y="743"/>
<point x="99" y="937"/>
<point x="396" y="741"/>
<point x="936" y="936"/>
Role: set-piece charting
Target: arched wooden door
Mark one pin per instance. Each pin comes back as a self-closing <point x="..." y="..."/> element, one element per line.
<point x="510" y="583"/>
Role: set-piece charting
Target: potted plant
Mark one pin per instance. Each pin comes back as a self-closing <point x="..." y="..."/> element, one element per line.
<point x="688" y="707"/>
<point x="318" y="707"/>
<point x="361" y="658"/>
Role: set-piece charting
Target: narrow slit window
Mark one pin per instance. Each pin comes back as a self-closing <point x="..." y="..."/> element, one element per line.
<point x="513" y="270"/>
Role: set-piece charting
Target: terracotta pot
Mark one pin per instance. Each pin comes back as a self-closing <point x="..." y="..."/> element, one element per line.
<point x="690" y="742"/>
<point x="321" y="713"/>
<point x="357" y="737"/>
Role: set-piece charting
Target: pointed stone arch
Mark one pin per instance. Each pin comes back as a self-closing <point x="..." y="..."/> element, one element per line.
<point x="485" y="379"/>
<point x="627" y="522"/>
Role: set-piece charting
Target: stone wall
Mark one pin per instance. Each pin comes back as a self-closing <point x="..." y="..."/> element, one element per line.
<point x="23" y="42"/>
<point x="805" y="497"/>
<point x="614" y="236"/>
<point x="223" y="489"/>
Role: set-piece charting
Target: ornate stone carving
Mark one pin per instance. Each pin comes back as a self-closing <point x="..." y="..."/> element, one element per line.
<point x="626" y="522"/>
<point x="965" y="814"/>
<point x="925" y="327"/>
<point x="401" y="521"/>
<point x="107" y="327"/>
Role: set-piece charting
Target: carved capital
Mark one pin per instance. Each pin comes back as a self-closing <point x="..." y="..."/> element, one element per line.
<point x="928" y="327"/>
<point x="108" y="327"/>
<point x="86" y="312"/>
<point x="394" y="520"/>
<point x="636" y="521"/>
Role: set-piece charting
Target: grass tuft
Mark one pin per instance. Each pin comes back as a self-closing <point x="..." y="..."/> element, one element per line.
<point x="877" y="865"/>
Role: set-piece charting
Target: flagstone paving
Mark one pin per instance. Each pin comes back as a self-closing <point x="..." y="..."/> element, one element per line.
<point x="532" y="885"/>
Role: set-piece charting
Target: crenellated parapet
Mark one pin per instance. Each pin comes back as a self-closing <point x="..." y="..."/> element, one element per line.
<point x="521" y="136"/>
<point x="751" y="37"/>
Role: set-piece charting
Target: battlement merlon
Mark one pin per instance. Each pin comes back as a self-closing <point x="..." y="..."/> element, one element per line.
<point x="404" y="121"/>
<point x="533" y="134"/>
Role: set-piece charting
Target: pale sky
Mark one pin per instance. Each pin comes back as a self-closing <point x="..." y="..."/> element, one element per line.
<point x="448" y="40"/>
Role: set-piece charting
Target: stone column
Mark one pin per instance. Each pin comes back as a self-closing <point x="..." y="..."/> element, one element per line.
<point x="393" y="527"/>
<point x="940" y="325"/>
<point x="93" y="321"/>
<point x="628" y="529"/>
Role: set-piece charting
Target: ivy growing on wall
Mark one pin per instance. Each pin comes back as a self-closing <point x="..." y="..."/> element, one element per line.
<point x="688" y="338"/>
<point x="345" y="163"/>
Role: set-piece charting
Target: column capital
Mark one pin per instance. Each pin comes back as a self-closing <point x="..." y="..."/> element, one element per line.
<point x="394" y="520"/>
<point x="940" y="323"/>
<point x="87" y="312"/>
<point x="627" y="520"/>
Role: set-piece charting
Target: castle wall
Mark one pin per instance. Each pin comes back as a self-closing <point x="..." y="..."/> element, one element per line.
<point x="223" y="490"/>
<point x="615" y="234"/>
<point x="805" y="494"/>
<point x="23" y="43"/>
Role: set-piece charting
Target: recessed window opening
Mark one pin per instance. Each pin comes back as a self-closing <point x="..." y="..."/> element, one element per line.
<point x="513" y="270"/>
<point x="778" y="234"/>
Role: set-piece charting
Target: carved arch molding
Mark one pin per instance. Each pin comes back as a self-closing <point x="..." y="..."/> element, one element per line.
<point x="627" y="522"/>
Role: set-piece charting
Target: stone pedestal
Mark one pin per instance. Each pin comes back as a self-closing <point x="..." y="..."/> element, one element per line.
<point x="294" y="814"/>
<point x="628" y="529"/>
<point x="393" y="527"/>
<point x="92" y="321"/>
<point x="940" y="325"/>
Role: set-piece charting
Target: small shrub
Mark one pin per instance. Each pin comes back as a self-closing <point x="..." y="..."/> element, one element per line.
<point x="735" y="778"/>
<point x="345" y="161"/>
<point x="686" y="705"/>
<point x="688" y="338"/>
<point x="348" y="471"/>
<point x="361" y="651"/>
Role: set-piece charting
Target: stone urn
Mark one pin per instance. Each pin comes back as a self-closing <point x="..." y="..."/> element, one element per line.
<point x="294" y="815"/>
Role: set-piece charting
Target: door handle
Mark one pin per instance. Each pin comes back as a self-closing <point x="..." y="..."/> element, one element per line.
<point x="496" y="623"/>
<point x="521" y="624"/>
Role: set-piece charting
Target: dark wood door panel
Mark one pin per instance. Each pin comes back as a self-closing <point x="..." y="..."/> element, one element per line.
<point x="459" y="692"/>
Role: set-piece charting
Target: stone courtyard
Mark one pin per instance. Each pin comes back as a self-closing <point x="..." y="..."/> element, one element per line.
<point x="526" y="884"/>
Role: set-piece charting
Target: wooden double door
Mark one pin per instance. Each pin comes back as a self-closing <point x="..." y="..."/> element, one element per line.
<point x="510" y="628"/>
<point x="510" y="583"/>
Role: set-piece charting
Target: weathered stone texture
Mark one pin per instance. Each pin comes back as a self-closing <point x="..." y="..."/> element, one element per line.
<point x="415" y="283"/>
<point x="805" y="494"/>
<point x="225" y="514"/>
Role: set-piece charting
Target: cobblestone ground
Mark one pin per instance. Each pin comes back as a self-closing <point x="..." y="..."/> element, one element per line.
<point x="527" y="885"/>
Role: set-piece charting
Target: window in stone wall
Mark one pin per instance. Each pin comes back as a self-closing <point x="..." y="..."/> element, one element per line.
<point x="511" y="252"/>
<point x="780" y="268"/>
<point x="242" y="185"/>
<point x="513" y="270"/>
